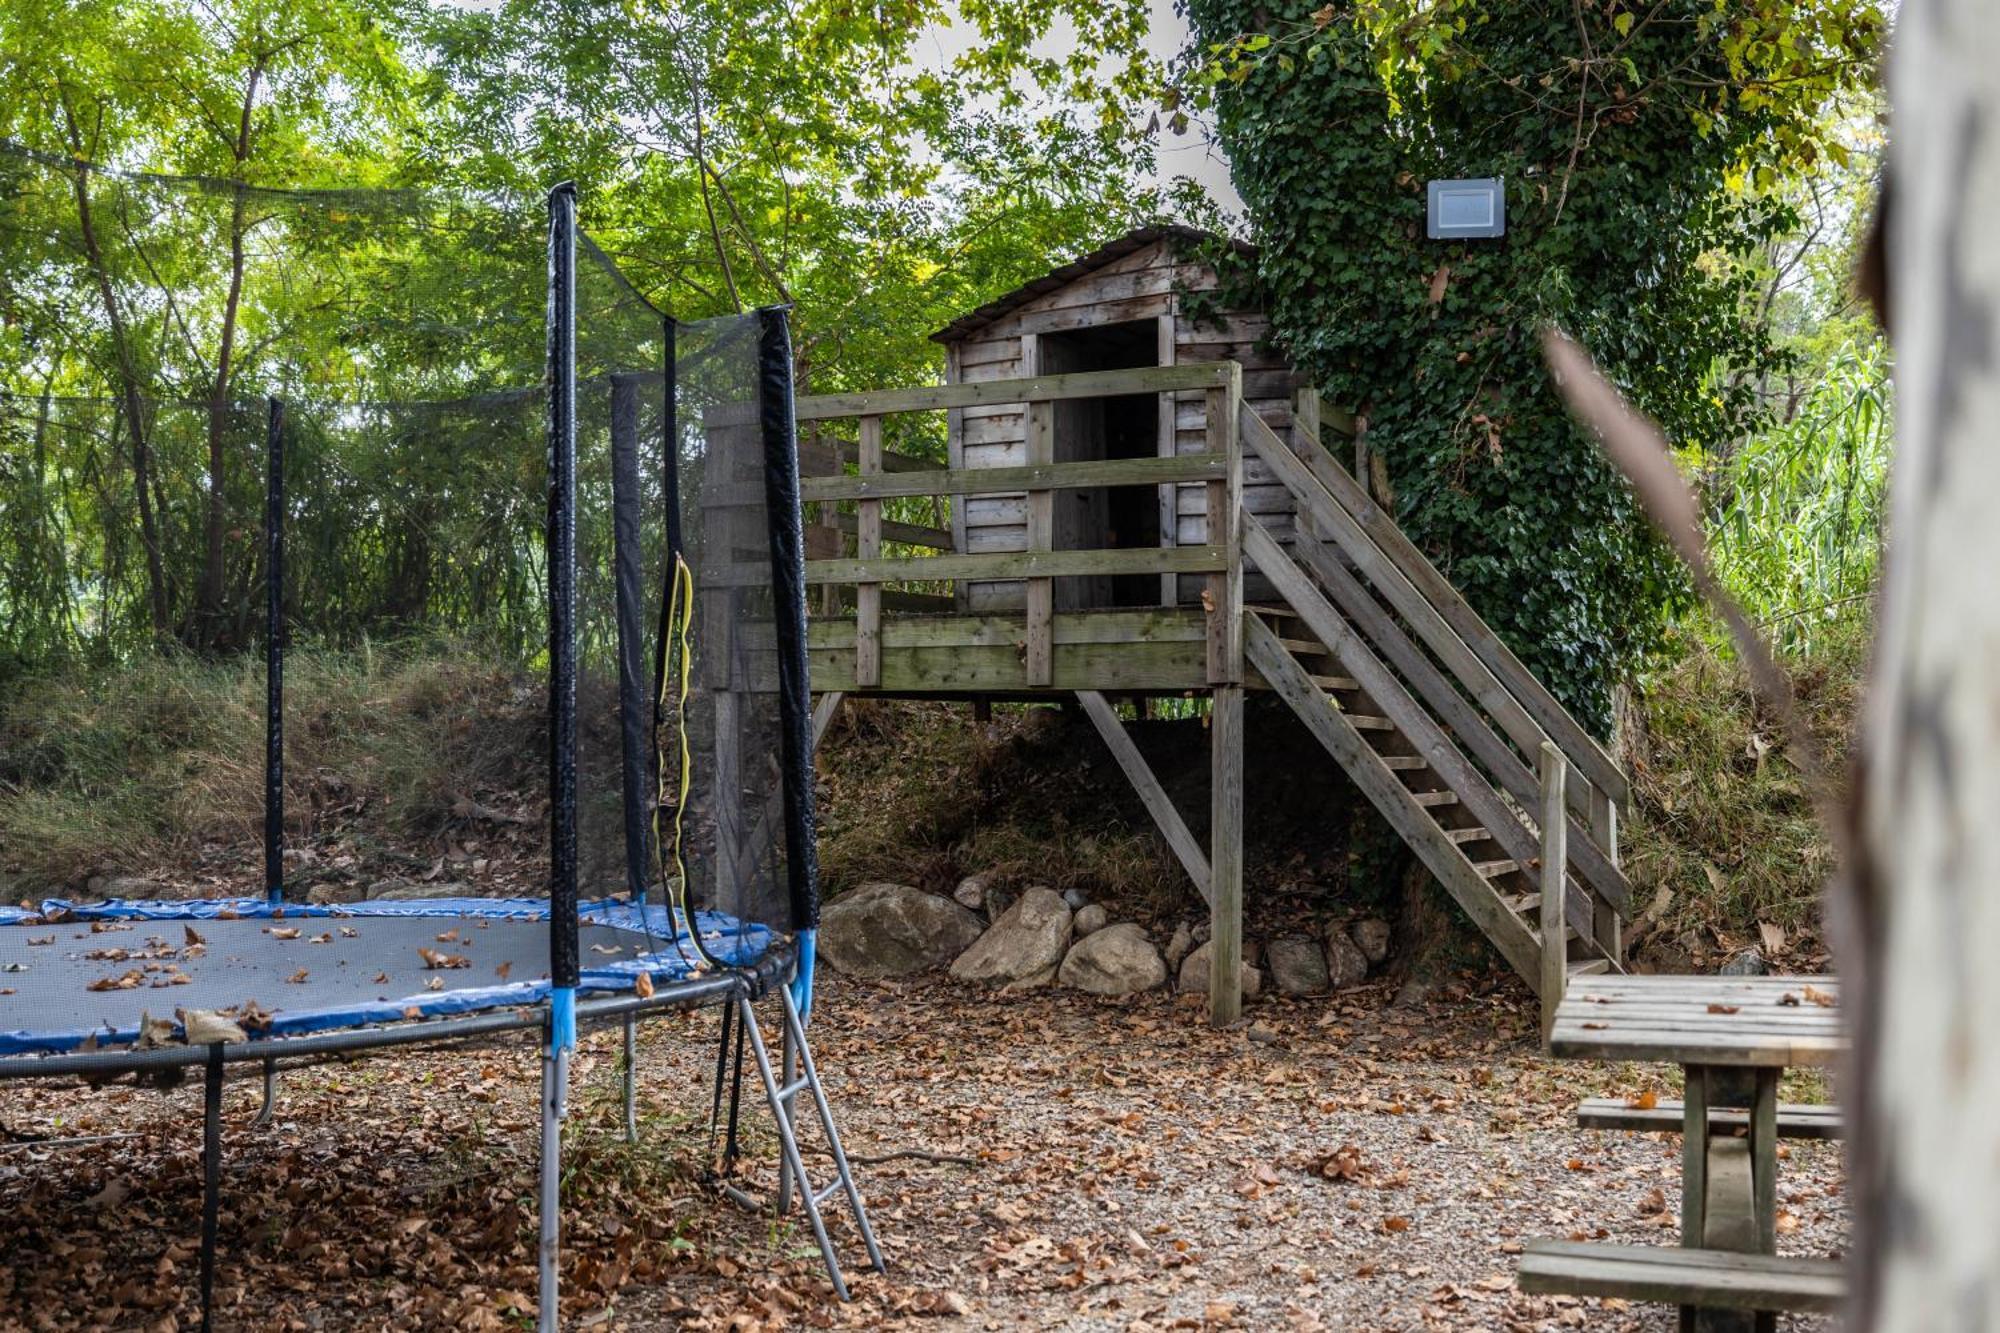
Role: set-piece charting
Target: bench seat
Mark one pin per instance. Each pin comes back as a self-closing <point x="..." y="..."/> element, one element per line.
<point x="1713" y="1279"/>
<point x="1795" y="1121"/>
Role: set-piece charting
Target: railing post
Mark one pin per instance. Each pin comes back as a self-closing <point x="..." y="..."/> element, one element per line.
<point x="868" y="546"/>
<point x="1605" y="925"/>
<point x="1223" y="597"/>
<point x="1555" y="865"/>
<point x="1038" y="661"/>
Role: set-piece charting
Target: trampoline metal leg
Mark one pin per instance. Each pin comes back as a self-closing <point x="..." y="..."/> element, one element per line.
<point x="631" y="1079"/>
<point x="794" y="1025"/>
<point x="211" y="1173"/>
<point x="788" y="1067"/>
<point x="270" y="1105"/>
<point x="790" y="1144"/>
<point x="555" y="1081"/>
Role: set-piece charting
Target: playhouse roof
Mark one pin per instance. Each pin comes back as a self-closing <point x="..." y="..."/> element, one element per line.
<point x="1136" y="239"/>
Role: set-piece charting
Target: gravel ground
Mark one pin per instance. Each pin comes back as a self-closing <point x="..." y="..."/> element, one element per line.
<point x="1087" y="1165"/>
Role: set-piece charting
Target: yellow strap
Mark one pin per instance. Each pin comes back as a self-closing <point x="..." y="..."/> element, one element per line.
<point x="680" y="616"/>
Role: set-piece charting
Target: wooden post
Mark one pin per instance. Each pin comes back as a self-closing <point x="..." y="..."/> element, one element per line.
<point x="1223" y="598"/>
<point x="867" y="546"/>
<point x="1039" y="662"/>
<point x="1605" y="925"/>
<point x="1555" y="866"/>
<point x="1169" y="445"/>
<point x="1225" y="856"/>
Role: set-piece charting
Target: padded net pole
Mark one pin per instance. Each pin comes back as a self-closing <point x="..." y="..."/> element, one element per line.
<point x="274" y="653"/>
<point x="778" y="427"/>
<point x="561" y="545"/>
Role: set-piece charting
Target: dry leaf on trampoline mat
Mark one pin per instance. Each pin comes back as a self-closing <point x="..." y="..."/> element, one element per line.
<point x="435" y="983"/>
<point x="297" y="978"/>
<point x="324" y="937"/>
<point x="438" y="958"/>
<point x="642" y="986"/>
<point x="502" y="970"/>
<point x="282" y="932"/>
<point x="123" y="981"/>
<point x="210" y="1025"/>
<point x="253" y="1016"/>
<point x="154" y="1032"/>
<point x="193" y="937"/>
<point x="381" y="979"/>
<point x="349" y="933"/>
<point x="595" y="948"/>
<point x="41" y="939"/>
<point x="447" y="937"/>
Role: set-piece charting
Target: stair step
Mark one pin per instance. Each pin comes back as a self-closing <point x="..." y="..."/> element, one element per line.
<point x="1341" y="683"/>
<point x="1436" y="797"/>
<point x="1463" y="835"/>
<point x="1403" y="762"/>
<point x="1589" y="967"/>
<point x="1368" y="722"/>
<point x="1495" y="869"/>
<point x="1522" y="904"/>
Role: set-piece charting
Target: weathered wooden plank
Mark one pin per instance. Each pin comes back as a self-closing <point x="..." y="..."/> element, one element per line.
<point x="1703" y="1278"/>
<point x="1064" y="319"/>
<point x="1225" y="839"/>
<point x="1793" y="1120"/>
<point x="1224" y="596"/>
<point x="1164" y="447"/>
<point x="1001" y="565"/>
<point x="1151" y="794"/>
<point x="1037" y="663"/>
<point x="1001" y="481"/>
<point x="1447" y="603"/>
<point x="1165" y="667"/>
<point x="1555" y="884"/>
<point x="1729" y="1216"/>
<point x="908" y="534"/>
<point x="1135" y="625"/>
<point x="1395" y="801"/>
<point x="868" y="546"/>
<point x="822" y="716"/>
<point x="1578" y="1041"/>
<point x="1034" y="388"/>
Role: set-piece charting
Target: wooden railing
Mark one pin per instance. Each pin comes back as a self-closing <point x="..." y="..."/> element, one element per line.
<point x="1423" y="628"/>
<point x="870" y="568"/>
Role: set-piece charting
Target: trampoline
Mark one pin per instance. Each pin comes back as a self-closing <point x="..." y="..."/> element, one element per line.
<point x="713" y="895"/>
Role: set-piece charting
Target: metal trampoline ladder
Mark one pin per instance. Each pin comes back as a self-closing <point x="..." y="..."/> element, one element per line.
<point x="795" y="1074"/>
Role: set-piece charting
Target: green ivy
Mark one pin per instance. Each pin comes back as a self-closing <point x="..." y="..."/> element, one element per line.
<point x="1638" y="145"/>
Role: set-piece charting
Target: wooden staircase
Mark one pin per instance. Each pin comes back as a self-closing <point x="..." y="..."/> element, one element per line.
<point x="1436" y="722"/>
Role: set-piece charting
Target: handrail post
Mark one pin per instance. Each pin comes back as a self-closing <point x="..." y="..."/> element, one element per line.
<point x="1555" y="862"/>
<point x="867" y="546"/>
<point x="1223" y="597"/>
<point x="1605" y="925"/>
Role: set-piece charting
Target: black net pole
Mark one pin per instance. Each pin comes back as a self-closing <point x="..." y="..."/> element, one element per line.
<point x="627" y="540"/>
<point x="211" y="1176"/>
<point x="561" y="545"/>
<point x="274" y="653"/>
<point x="788" y="588"/>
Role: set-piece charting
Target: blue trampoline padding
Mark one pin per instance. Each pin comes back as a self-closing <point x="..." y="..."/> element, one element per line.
<point x="735" y="942"/>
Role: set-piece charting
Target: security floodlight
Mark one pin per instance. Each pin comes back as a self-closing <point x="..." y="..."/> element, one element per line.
<point x="1462" y="210"/>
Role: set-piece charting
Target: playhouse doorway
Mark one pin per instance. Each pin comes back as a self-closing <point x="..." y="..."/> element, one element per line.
<point x="1116" y="517"/>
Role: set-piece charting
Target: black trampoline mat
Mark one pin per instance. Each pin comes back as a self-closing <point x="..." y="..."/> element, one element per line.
<point x="284" y="966"/>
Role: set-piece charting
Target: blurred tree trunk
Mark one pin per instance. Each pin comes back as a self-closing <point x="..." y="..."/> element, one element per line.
<point x="1926" y="1159"/>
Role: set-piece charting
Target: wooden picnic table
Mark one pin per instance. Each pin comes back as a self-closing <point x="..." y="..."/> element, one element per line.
<point x="1734" y="1037"/>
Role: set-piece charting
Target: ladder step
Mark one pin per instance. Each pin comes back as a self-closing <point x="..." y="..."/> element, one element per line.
<point x="1436" y="797"/>
<point x="1404" y="762"/>
<point x="1462" y="835"/>
<point x="1495" y="869"/>
<point x="1365" y="722"/>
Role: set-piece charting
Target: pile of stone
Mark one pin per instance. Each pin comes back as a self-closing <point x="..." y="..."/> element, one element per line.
<point x="988" y="934"/>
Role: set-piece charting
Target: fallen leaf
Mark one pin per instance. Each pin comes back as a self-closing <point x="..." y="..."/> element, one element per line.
<point x="297" y="978"/>
<point x="282" y="932"/>
<point x="642" y="986"/>
<point x="1645" y="1101"/>
<point x="192" y="937"/>
<point x="1396" y="1224"/>
<point x="1725" y="1008"/>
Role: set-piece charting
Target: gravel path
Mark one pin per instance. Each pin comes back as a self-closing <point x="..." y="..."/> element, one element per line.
<point x="1330" y="1164"/>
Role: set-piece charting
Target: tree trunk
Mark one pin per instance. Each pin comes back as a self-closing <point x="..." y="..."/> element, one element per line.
<point x="1926" y="1159"/>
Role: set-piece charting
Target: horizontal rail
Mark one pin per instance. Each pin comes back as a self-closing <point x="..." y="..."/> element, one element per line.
<point x="1003" y="565"/>
<point x="1034" y="389"/>
<point x="1031" y="477"/>
<point x="820" y="458"/>
<point x="908" y="534"/>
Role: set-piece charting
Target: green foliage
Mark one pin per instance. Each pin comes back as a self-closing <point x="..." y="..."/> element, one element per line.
<point x="1640" y="147"/>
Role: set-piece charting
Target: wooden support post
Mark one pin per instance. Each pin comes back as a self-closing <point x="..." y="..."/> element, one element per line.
<point x="1168" y="446"/>
<point x="1223" y="598"/>
<point x="1038" y="662"/>
<point x="1154" y="796"/>
<point x="868" y="546"/>
<point x="1555" y="877"/>
<point x="1608" y="930"/>
<point x="1225" y="856"/>
<point x="822" y="717"/>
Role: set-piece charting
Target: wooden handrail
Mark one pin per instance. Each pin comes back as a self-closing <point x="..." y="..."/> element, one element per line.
<point x="1443" y="618"/>
<point x="1032" y="389"/>
<point x="1085" y="475"/>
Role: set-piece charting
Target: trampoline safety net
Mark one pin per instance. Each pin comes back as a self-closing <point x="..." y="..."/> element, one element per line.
<point x="383" y="478"/>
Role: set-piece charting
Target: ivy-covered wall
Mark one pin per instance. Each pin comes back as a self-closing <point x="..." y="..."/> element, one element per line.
<point x="1633" y="144"/>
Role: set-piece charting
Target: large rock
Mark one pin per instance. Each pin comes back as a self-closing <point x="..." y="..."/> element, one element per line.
<point x="893" y="930"/>
<point x="1298" y="966"/>
<point x="1371" y="935"/>
<point x="1194" y="973"/>
<point x="1346" y="965"/>
<point x="1180" y="946"/>
<point x="1024" y="946"/>
<point x="1090" y="918"/>
<point x="1117" y="960"/>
